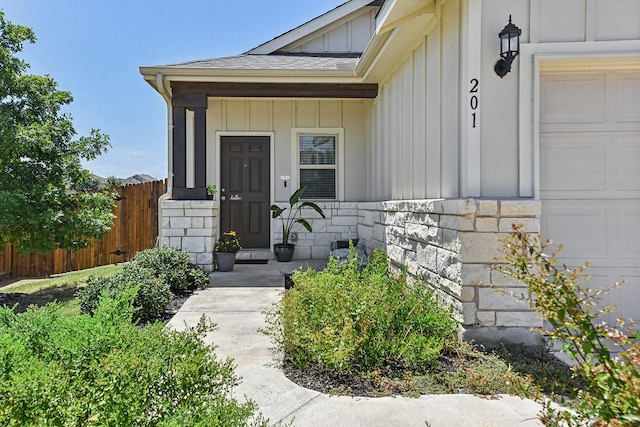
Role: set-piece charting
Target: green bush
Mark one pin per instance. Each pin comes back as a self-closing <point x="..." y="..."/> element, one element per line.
<point x="173" y="267"/>
<point x="102" y="370"/>
<point x="607" y="357"/>
<point x="350" y="320"/>
<point x="152" y="295"/>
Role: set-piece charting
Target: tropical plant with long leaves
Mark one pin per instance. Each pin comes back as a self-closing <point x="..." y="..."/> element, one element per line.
<point x="294" y="216"/>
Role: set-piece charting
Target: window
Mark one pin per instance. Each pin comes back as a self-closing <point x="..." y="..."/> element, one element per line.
<point x="318" y="166"/>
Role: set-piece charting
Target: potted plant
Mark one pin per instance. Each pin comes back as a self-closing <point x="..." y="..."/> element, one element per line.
<point x="211" y="191"/>
<point x="225" y="250"/>
<point x="284" y="251"/>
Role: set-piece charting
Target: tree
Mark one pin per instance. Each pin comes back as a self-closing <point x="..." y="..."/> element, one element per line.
<point x="41" y="205"/>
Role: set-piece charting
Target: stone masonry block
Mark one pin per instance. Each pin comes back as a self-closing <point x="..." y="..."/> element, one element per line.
<point x="461" y="223"/>
<point x="449" y="240"/>
<point x="469" y="313"/>
<point x="500" y="280"/>
<point x="496" y="299"/>
<point x="174" y="204"/>
<point x="337" y="229"/>
<point x="379" y="233"/>
<point x="421" y="233"/>
<point x="180" y="222"/>
<point x="520" y="208"/>
<point x="365" y="232"/>
<point x="193" y="244"/>
<point x="173" y="232"/>
<point x="479" y="247"/>
<point x="451" y="288"/>
<point x="487" y="208"/>
<point x="468" y="294"/>
<point x="455" y="206"/>
<point x="199" y="212"/>
<point x="165" y="222"/>
<point x="347" y="212"/>
<point x="448" y="264"/>
<point x="487" y="224"/>
<point x="530" y="225"/>
<point x="197" y="222"/>
<point x="475" y="274"/>
<point x="349" y="205"/>
<point x="427" y="257"/>
<point x="209" y="243"/>
<point x="302" y="252"/>
<point x="172" y="212"/>
<point x="344" y="220"/>
<point x="199" y="232"/>
<point x="175" y="242"/>
<point x="204" y="258"/>
<point x="396" y="254"/>
<point x="320" y="252"/>
<point x="518" y="319"/>
<point x="203" y="204"/>
<point x="486" y="318"/>
<point x="371" y="217"/>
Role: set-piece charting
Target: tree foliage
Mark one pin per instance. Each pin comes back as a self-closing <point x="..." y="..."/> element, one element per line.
<point x="41" y="176"/>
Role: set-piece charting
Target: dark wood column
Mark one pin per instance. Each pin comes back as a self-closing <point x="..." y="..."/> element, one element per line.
<point x="198" y="104"/>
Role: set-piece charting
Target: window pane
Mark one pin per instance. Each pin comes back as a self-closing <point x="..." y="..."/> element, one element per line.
<point x="321" y="183"/>
<point x="317" y="150"/>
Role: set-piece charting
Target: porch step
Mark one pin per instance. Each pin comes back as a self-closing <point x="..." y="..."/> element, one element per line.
<point x="254" y="254"/>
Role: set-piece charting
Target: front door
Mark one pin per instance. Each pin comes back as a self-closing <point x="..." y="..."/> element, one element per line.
<point x="244" y="189"/>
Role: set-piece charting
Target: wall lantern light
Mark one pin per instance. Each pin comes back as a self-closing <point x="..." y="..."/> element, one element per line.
<point x="509" y="48"/>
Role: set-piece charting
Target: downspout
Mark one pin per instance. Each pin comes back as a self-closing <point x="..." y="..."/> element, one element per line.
<point x="162" y="89"/>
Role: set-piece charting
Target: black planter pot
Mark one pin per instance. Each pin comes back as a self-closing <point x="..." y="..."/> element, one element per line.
<point x="284" y="253"/>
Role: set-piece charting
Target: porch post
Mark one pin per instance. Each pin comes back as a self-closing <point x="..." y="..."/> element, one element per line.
<point x="198" y="104"/>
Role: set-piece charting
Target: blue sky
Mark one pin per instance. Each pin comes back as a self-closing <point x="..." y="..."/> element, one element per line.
<point x="93" y="49"/>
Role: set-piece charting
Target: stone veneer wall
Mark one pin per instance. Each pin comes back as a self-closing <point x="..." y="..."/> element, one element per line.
<point x="450" y="243"/>
<point x="447" y="242"/>
<point x="191" y="225"/>
<point x="340" y="223"/>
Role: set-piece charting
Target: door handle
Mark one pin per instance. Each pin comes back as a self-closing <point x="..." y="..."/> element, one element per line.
<point x="235" y="197"/>
<point x="223" y="198"/>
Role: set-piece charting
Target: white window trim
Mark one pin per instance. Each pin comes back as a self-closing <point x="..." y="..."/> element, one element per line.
<point x="295" y="156"/>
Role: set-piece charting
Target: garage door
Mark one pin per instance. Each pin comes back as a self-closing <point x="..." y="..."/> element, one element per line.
<point x="590" y="176"/>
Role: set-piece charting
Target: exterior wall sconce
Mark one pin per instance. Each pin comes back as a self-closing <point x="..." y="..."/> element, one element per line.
<point x="509" y="48"/>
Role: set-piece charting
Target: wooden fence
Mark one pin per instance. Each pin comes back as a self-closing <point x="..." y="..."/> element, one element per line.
<point x="135" y="228"/>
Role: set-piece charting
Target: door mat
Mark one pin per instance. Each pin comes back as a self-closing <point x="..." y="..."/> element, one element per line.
<point x="252" y="261"/>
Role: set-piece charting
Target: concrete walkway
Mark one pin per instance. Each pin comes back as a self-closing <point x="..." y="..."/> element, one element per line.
<point x="236" y="300"/>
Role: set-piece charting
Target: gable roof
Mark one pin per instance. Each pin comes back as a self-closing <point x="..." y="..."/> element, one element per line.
<point x="275" y="62"/>
<point x="311" y="26"/>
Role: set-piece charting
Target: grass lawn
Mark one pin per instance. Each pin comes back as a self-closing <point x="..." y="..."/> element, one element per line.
<point x="61" y="288"/>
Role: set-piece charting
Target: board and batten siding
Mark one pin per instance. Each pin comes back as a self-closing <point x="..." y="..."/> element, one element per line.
<point x="542" y="22"/>
<point x="413" y="123"/>
<point x="279" y="117"/>
<point x="416" y="127"/>
<point x="350" y="36"/>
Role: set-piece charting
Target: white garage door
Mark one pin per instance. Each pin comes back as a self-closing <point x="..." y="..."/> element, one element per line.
<point x="590" y="176"/>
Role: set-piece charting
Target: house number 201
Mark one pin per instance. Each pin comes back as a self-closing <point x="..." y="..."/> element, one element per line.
<point x="473" y="101"/>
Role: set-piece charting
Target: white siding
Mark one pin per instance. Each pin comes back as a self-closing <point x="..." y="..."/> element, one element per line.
<point x="348" y="35"/>
<point x="279" y="117"/>
<point x="413" y="124"/>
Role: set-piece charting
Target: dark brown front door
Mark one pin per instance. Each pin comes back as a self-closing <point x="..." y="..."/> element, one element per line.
<point x="244" y="189"/>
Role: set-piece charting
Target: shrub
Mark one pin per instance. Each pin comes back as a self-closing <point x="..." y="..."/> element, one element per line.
<point x="346" y="319"/>
<point x="613" y="393"/>
<point x="102" y="370"/>
<point x="152" y="295"/>
<point x="173" y="267"/>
